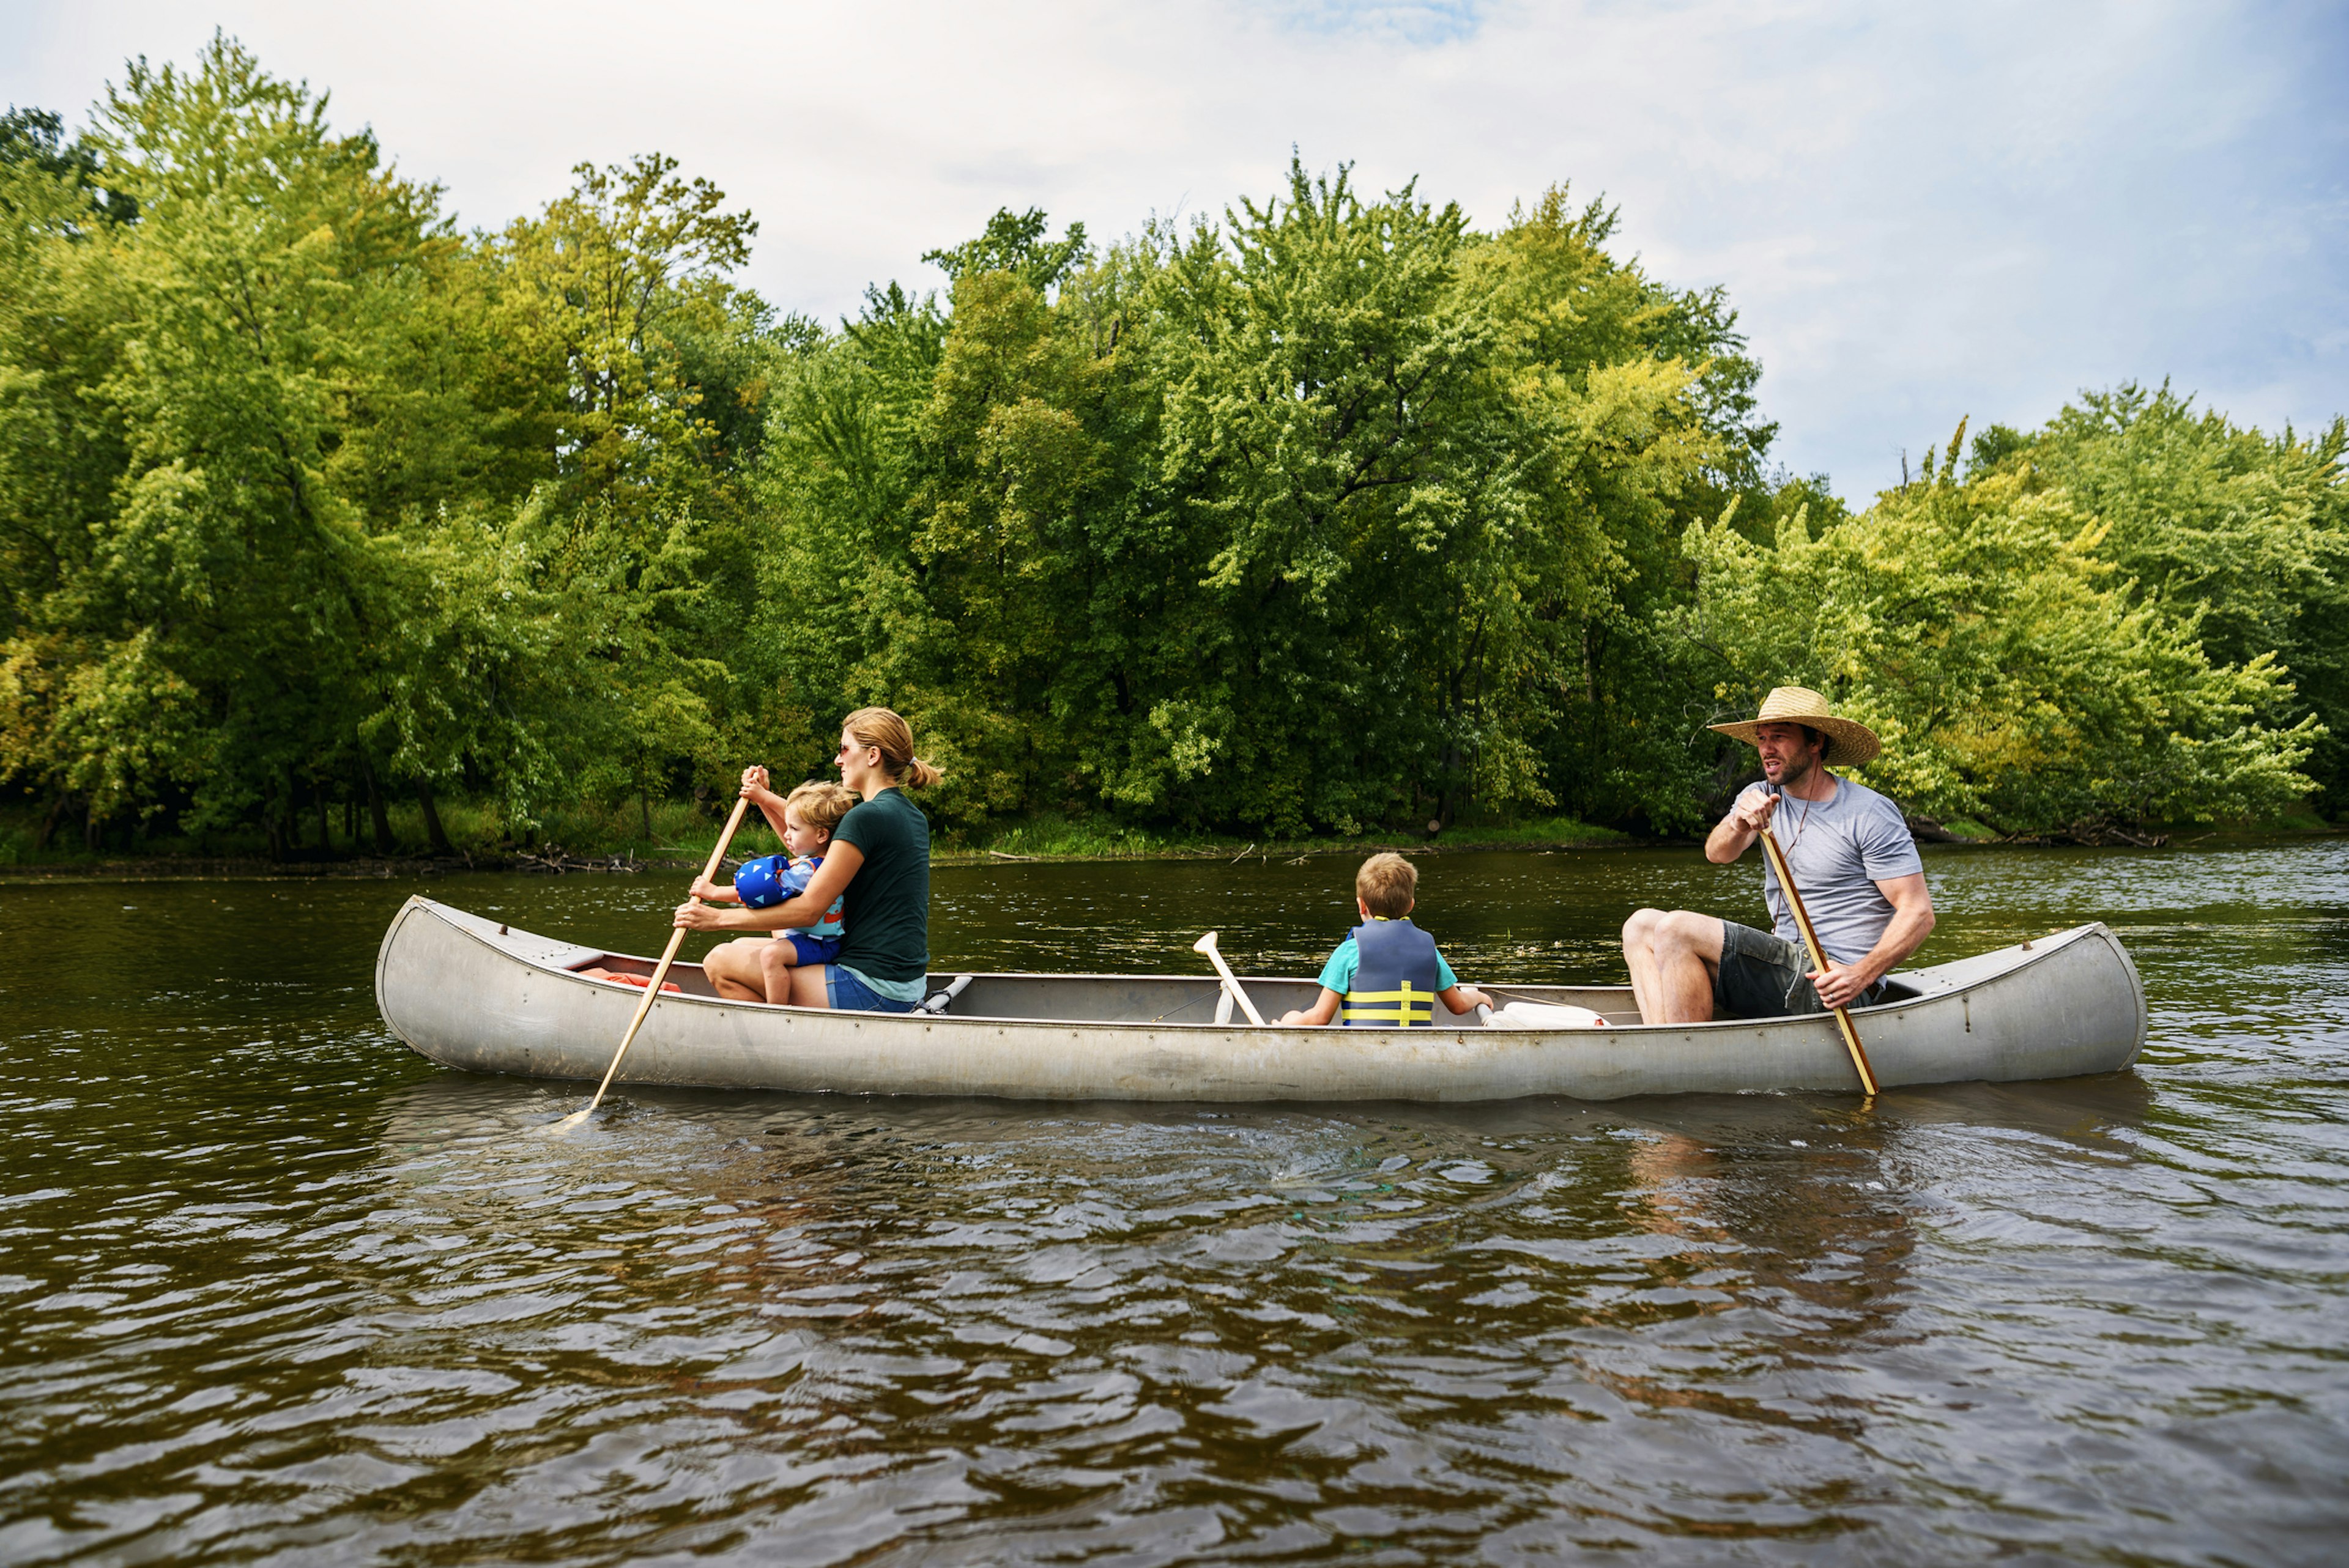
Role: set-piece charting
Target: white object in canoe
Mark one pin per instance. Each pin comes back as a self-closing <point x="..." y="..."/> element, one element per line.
<point x="469" y="992"/>
<point x="1544" y="1015"/>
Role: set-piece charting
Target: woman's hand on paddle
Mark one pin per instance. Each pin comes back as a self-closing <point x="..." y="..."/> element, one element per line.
<point x="693" y="915"/>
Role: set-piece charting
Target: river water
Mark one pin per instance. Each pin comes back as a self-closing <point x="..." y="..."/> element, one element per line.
<point x="277" y="1289"/>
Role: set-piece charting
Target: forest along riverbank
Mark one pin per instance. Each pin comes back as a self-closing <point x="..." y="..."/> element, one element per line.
<point x="1029" y="841"/>
<point x="1186" y="632"/>
<point x="275" y="1281"/>
<point x="560" y="859"/>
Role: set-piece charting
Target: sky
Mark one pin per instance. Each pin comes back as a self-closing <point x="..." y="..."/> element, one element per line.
<point x="1920" y="213"/>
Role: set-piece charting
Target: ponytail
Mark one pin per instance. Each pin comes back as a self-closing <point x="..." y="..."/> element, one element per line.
<point x="892" y="737"/>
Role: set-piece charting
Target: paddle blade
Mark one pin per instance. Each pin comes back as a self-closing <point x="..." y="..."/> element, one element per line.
<point x="568" y="1125"/>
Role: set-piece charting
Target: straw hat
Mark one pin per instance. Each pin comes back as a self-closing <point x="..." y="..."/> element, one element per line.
<point x="1849" y="742"/>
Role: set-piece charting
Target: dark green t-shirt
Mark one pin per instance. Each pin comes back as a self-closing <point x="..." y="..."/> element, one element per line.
<point x="887" y="905"/>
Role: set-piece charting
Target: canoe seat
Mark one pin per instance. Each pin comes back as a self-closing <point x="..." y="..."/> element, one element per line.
<point x="939" y="1001"/>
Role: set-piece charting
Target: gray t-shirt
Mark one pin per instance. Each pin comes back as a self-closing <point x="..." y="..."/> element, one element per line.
<point x="1840" y="848"/>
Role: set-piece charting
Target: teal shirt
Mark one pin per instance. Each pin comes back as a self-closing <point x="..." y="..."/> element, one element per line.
<point x="1338" y="974"/>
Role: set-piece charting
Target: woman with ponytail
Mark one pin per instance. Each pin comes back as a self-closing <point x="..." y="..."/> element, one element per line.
<point x="878" y="865"/>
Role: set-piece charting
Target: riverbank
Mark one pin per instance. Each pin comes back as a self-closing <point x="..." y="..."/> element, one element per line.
<point x="683" y="833"/>
<point x="689" y="850"/>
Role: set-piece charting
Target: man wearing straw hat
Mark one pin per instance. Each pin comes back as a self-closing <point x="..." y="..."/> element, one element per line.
<point x="1853" y="861"/>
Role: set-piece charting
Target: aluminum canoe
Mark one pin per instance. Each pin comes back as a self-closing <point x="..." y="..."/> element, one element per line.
<point x="475" y="995"/>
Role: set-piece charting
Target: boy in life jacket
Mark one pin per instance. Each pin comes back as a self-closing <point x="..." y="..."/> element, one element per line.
<point x="1387" y="974"/>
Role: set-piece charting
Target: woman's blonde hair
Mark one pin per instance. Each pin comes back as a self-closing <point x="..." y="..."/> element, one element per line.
<point x="820" y="803"/>
<point x="894" y="739"/>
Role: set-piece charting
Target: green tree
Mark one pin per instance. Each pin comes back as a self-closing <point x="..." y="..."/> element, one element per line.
<point x="1332" y="514"/>
<point x="1638" y="416"/>
<point x="1319" y="518"/>
<point x="841" y="615"/>
<point x="35" y="138"/>
<point x="207" y="644"/>
<point x="2015" y="675"/>
<point x="2241" y="536"/>
<point x="619" y="293"/>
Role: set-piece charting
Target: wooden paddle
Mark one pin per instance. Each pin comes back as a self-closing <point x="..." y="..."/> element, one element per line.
<point x="660" y="973"/>
<point x="1777" y="858"/>
<point x="1206" y="945"/>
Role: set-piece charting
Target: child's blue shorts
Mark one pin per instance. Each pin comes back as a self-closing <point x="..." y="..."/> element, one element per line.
<point x="812" y="949"/>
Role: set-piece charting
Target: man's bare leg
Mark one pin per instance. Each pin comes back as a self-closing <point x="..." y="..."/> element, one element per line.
<point x="1673" y="959"/>
<point x="735" y="971"/>
<point x="1639" y="957"/>
<point x="1688" y="958"/>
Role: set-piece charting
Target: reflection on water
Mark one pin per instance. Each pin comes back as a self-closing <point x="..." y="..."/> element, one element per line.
<point x="277" y="1288"/>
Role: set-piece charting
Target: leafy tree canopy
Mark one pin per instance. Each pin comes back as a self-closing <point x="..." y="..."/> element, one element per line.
<point x="1330" y="512"/>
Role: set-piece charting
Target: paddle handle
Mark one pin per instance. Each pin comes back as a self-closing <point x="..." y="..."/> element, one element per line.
<point x="660" y="970"/>
<point x="1777" y="858"/>
<point x="1206" y="945"/>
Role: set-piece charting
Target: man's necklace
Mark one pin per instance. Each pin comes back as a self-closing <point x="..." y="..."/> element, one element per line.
<point x="1800" y="824"/>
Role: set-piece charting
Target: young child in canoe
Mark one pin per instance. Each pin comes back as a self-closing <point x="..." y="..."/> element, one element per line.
<point x="808" y="814"/>
<point x="1387" y="974"/>
<point x="803" y="821"/>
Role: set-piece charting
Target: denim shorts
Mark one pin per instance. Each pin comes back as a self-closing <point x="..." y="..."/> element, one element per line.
<point x="810" y="949"/>
<point x="847" y="994"/>
<point x="1763" y="975"/>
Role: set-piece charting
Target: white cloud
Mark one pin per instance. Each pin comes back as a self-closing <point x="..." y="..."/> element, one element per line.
<point x="1921" y="212"/>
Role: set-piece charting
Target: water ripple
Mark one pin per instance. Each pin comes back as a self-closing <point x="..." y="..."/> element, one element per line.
<point x="278" y="1290"/>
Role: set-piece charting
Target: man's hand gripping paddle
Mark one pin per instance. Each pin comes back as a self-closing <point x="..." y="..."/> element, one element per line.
<point x="675" y="939"/>
<point x="1777" y="858"/>
<point x="1206" y="945"/>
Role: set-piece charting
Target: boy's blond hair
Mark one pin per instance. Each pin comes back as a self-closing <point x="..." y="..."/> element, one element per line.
<point x="820" y="804"/>
<point x="1387" y="884"/>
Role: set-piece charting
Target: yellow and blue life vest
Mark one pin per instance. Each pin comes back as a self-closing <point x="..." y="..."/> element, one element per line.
<point x="1394" y="977"/>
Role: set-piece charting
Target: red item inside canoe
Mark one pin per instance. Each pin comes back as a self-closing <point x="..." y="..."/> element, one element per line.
<point x="668" y="987"/>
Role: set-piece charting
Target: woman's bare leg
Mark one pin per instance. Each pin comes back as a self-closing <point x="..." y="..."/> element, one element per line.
<point x="807" y="986"/>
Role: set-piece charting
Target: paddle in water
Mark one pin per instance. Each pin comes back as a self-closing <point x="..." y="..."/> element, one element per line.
<point x="652" y="991"/>
<point x="1785" y="875"/>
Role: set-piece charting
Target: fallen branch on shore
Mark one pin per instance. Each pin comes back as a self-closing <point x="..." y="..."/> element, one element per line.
<point x="555" y="859"/>
<point x="2093" y="833"/>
